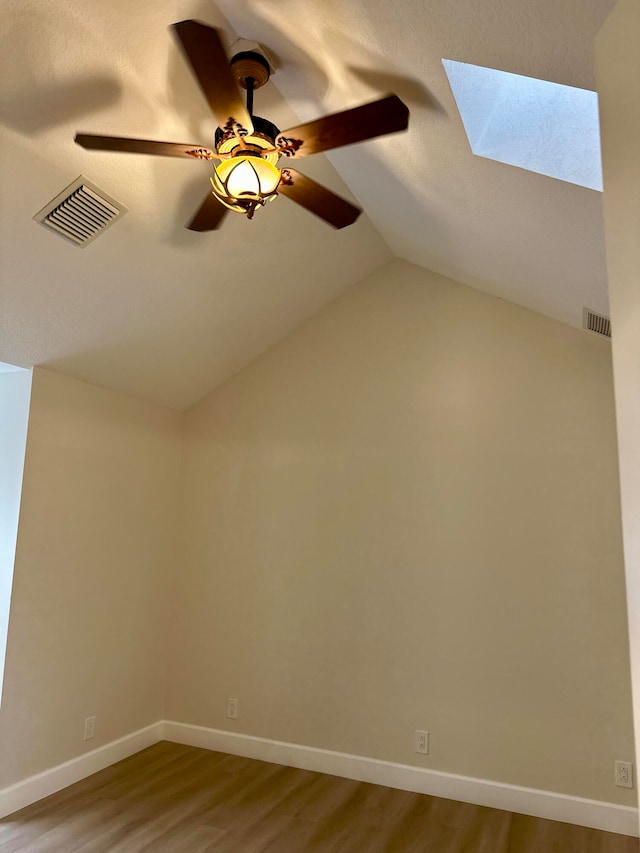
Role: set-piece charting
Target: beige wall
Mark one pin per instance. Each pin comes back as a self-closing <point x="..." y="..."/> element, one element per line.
<point x="403" y="516"/>
<point x="618" y="76"/>
<point x="406" y="516"/>
<point x="95" y="544"/>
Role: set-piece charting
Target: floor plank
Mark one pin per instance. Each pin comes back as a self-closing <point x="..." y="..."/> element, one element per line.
<point x="177" y="799"/>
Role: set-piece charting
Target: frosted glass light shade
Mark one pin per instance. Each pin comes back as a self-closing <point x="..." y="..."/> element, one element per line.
<point x="248" y="177"/>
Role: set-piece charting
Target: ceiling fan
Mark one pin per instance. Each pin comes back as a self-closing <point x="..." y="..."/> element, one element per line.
<point x="249" y="147"/>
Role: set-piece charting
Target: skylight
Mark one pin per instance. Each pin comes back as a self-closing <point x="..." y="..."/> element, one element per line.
<point x="15" y="393"/>
<point x="534" y="124"/>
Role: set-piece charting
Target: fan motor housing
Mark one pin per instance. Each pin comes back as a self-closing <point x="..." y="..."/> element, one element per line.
<point x="262" y="128"/>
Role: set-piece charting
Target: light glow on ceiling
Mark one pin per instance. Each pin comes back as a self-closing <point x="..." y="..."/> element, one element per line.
<point x="534" y="124"/>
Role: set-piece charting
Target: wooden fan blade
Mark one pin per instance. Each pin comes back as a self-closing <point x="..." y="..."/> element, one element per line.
<point x="318" y="199"/>
<point x="387" y="115"/>
<point x="205" y="53"/>
<point x="143" y="146"/>
<point x="209" y="216"/>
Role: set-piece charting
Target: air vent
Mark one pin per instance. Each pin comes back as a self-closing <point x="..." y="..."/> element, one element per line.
<point x="596" y="323"/>
<point x="80" y="212"/>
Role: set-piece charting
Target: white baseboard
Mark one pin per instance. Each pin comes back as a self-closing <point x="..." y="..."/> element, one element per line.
<point x="546" y="804"/>
<point x="48" y="782"/>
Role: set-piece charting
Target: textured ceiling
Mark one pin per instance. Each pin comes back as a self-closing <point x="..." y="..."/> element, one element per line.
<point x="156" y="311"/>
<point x="530" y="239"/>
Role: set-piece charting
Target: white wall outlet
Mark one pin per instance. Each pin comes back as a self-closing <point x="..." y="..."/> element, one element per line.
<point x="421" y="742"/>
<point x="232" y="709"/>
<point x="89" y="728"/>
<point x="624" y="774"/>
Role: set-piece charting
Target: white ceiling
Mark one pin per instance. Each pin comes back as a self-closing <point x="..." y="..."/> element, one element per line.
<point x="156" y="311"/>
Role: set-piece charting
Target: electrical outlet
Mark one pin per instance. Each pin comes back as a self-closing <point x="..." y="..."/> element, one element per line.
<point x="624" y="774"/>
<point x="89" y="728"/>
<point x="421" y="742"/>
<point x="232" y="709"/>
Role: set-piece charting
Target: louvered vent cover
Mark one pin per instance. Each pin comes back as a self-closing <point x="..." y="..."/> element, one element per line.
<point x="80" y="212"/>
<point x="596" y="323"/>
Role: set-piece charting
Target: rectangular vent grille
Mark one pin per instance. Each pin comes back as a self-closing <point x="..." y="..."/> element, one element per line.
<point x="596" y="323"/>
<point x="80" y="212"/>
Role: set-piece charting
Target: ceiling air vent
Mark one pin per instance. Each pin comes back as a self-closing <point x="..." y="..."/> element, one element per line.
<point x="596" y="323"/>
<point x="80" y="212"/>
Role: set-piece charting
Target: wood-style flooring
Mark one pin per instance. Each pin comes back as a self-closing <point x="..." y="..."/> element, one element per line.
<point x="177" y="798"/>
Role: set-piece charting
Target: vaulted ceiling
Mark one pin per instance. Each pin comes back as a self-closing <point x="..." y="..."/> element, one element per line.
<point x="166" y="314"/>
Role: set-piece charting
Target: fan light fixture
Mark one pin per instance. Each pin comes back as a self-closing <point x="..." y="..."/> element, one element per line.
<point x="245" y="183"/>
<point x="250" y="147"/>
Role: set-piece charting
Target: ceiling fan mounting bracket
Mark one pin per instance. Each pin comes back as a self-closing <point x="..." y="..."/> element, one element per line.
<point x="250" y="65"/>
<point x="202" y="154"/>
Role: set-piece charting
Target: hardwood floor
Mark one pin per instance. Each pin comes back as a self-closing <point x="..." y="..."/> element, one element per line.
<point x="177" y="798"/>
